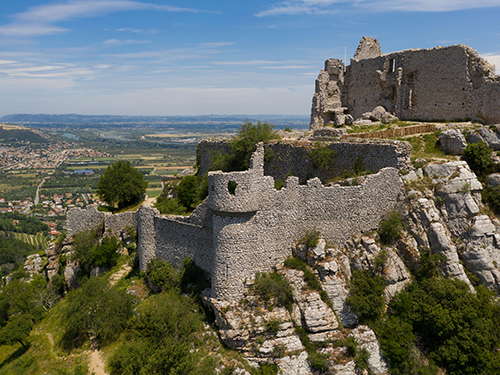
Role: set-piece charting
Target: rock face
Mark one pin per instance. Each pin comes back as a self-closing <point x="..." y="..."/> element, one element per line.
<point x="456" y="229"/>
<point x="452" y="142"/>
<point x="33" y="265"/>
<point x="246" y="325"/>
<point x="486" y="135"/>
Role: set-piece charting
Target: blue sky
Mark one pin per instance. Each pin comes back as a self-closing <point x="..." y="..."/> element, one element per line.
<point x="134" y="57"/>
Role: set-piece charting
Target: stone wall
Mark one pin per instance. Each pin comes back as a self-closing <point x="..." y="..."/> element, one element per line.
<point x="116" y="224"/>
<point x="233" y="235"/>
<point x="78" y="220"/>
<point x="254" y="242"/>
<point x="292" y="158"/>
<point x="172" y="238"/>
<point x="442" y="83"/>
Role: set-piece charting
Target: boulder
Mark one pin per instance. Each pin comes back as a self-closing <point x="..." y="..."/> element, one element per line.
<point x="490" y="137"/>
<point x="452" y="142"/>
<point x="379" y="114"/>
<point x="494" y="179"/>
<point x="474" y="137"/>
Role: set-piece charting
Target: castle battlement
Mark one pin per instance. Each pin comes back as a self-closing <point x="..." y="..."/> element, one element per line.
<point x="233" y="236"/>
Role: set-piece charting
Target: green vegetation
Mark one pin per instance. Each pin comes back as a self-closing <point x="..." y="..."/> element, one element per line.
<point x="460" y="330"/>
<point x="243" y="146"/>
<point x="90" y="253"/>
<point x="95" y="309"/>
<point x="391" y="228"/>
<point x="169" y="206"/>
<point x="13" y="253"/>
<point x="310" y="238"/>
<point x="121" y="185"/>
<point x="322" y="156"/>
<point x="273" y="289"/>
<point x="366" y="298"/>
<point x="19" y="223"/>
<point x="478" y="156"/>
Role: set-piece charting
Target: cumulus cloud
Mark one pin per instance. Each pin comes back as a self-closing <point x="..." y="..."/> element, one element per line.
<point x="40" y="20"/>
<point x="312" y="7"/>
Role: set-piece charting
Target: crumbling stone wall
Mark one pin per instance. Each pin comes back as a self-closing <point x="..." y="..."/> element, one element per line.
<point x="246" y="242"/>
<point x="116" y="224"/>
<point x="78" y="220"/>
<point x="442" y="83"/>
<point x="234" y="234"/>
<point x="290" y="158"/>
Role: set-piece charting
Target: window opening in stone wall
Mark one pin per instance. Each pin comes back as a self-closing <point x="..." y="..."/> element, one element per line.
<point x="410" y="99"/>
<point x="231" y="187"/>
<point x="392" y="65"/>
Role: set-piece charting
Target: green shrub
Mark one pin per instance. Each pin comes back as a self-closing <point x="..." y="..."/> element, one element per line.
<point x="322" y="156"/>
<point x="192" y="190"/>
<point x="311" y="238"/>
<point x="95" y="308"/>
<point x="458" y="329"/>
<point x="169" y="206"/>
<point x="273" y="287"/>
<point x="478" y="156"/>
<point x="492" y="197"/>
<point x="361" y="359"/>
<point x="279" y="184"/>
<point x="366" y="298"/>
<point x="162" y="274"/>
<point x="273" y="326"/>
<point x="243" y="146"/>
<point x="391" y="228"/>
<point x="352" y="346"/>
<point x="162" y="339"/>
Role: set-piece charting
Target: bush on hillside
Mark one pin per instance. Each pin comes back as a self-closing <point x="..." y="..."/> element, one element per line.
<point x="366" y="298"/>
<point x="272" y="288"/>
<point x="478" y="156"/>
<point x="391" y="228"/>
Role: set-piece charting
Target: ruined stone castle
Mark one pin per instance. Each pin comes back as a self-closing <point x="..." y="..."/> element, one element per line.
<point x="442" y="83"/>
<point x="234" y="234"/>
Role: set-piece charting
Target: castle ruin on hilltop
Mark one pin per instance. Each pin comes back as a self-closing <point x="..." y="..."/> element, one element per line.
<point x="442" y="83"/>
<point x="233" y="235"/>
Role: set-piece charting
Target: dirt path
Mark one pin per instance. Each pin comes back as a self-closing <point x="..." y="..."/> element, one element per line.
<point x="124" y="270"/>
<point x="94" y="357"/>
<point x="149" y="201"/>
<point x="96" y="363"/>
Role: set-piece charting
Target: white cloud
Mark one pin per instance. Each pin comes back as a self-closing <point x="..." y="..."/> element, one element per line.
<point x="493" y="59"/>
<point x="314" y="7"/>
<point x="40" y="20"/>
<point x="118" y="42"/>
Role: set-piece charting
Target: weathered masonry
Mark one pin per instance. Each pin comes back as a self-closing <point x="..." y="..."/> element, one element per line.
<point x="235" y="233"/>
<point x="442" y="83"/>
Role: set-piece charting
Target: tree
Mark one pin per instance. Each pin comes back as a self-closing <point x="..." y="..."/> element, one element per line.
<point x="243" y="146"/>
<point x="121" y="185"/>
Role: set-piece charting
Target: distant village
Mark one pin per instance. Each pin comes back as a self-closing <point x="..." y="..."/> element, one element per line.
<point x="45" y="161"/>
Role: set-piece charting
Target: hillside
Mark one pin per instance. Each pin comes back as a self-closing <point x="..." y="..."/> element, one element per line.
<point x="416" y="293"/>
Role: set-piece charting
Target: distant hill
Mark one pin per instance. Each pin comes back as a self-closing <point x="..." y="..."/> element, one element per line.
<point x="14" y="133"/>
<point x="75" y="120"/>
